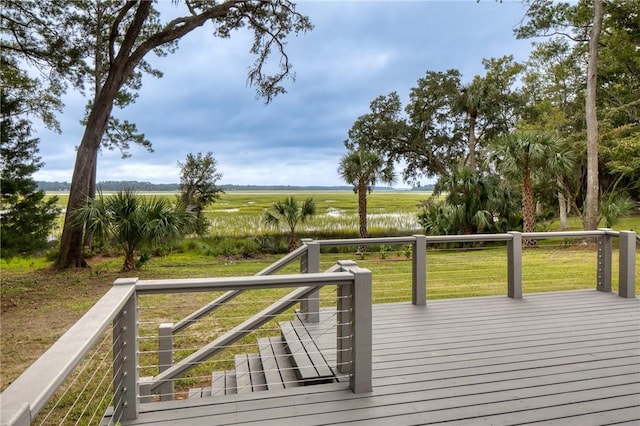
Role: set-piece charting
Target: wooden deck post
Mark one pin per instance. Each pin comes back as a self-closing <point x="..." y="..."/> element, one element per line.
<point x="605" y="264"/>
<point x="125" y="358"/>
<point x="419" y="271"/>
<point x="514" y="265"/>
<point x="310" y="263"/>
<point x="165" y="358"/>
<point x="627" y="267"/>
<point x="360" y="379"/>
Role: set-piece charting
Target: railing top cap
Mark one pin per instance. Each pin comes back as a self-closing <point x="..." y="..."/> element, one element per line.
<point x="233" y="283"/>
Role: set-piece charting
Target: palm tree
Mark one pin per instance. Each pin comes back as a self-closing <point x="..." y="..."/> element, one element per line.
<point x="363" y="169"/>
<point x="471" y="101"/>
<point x="466" y="201"/>
<point x="133" y="221"/>
<point x="292" y="213"/>
<point x="523" y="154"/>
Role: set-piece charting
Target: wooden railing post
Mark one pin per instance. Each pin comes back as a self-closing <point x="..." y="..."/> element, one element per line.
<point x="361" y="357"/>
<point x="310" y="263"/>
<point x="627" y="267"/>
<point x="360" y="379"/>
<point x="605" y="263"/>
<point x="514" y="265"/>
<point x="125" y="358"/>
<point x="165" y="358"/>
<point x="419" y="271"/>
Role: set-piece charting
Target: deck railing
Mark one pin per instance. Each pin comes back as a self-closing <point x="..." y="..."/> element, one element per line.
<point x="26" y="396"/>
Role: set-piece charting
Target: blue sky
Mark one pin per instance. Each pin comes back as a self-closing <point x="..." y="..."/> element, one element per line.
<point x="357" y="51"/>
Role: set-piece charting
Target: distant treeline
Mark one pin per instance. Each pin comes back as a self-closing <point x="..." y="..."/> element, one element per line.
<point x="174" y="187"/>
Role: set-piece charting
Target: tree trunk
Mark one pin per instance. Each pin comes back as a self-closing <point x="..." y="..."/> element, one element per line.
<point x="528" y="215"/>
<point x="539" y="208"/>
<point x="591" y="201"/>
<point x="362" y="213"/>
<point x="88" y="237"/>
<point x="97" y="85"/>
<point x="362" y="209"/>
<point x="293" y="243"/>
<point x="71" y="242"/>
<point x="129" y="262"/>
<point x="122" y="65"/>
<point x="472" y="141"/>
<point x="562" y="203"/>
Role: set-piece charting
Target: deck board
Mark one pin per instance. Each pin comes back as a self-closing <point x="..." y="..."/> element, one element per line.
<point x="567" y="358"/>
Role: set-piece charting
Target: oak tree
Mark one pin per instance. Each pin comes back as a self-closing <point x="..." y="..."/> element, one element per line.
<point x="128" y="44"/>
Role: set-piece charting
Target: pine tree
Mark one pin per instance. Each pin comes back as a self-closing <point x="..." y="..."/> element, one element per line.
<point x="27" y="218"/>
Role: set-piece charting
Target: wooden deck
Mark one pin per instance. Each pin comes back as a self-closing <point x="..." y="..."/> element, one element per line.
<point x="565" y="358"/>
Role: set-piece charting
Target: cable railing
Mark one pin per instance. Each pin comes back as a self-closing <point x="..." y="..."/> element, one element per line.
<point x="119" y="335"/>
<point x="238" y="319"/>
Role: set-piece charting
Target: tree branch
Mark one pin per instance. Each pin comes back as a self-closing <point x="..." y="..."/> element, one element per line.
<point x="180" y="27"/>
<point x="113" y="34"/>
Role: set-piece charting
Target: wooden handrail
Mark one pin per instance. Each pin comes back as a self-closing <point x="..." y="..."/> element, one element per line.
<point x="365" y="241"/>
<point x="25" y="397"/>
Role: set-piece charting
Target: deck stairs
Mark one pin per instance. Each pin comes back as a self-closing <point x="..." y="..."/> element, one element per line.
<point x="290" y="360"/>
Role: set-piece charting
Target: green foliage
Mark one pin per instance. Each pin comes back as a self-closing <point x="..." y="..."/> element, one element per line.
<point x="619" y="97"/>
<point x="291" y="212"/>
<point x="526" y="155"/>
<point x="556" y="80"/>
<point x="37" y="33"/>
<point x="446" y="122"/>
<point x="198" y="178"/>
<point x="364" y="169"/>
<point x="614" y="207"/>
<point x="27" y="218"/>
<point x="473" y="203"/>
<point x="133" y="222"/>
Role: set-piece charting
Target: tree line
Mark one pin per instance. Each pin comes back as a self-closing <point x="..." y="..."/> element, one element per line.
<point x="173" y="187"/>
<point x="524" y="139"/>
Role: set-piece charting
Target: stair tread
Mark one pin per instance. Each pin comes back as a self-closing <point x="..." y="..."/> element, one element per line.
<point x="311" y="367"/>
<point x="231" y="387"/>
<point x="218" y="383"/>
<point x="273" y="380"/>
<point x="318" y="359"/>
<point x="285" y="366"/>
<point x="195" y="393"/>
<point x="243" y="377"/>
<point x="258" y="381"/>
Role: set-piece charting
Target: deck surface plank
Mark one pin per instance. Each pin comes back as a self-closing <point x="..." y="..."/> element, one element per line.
<point x="566" y="358"/>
